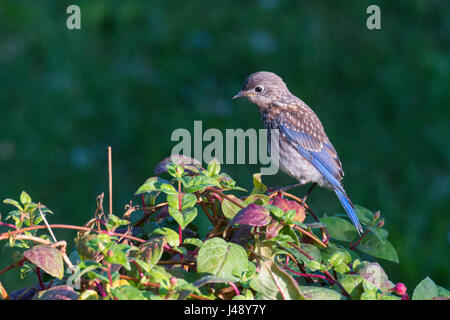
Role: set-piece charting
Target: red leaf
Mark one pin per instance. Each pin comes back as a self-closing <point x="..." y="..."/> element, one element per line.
<point x="47" y="258"/>
<point x="252" y="215"/>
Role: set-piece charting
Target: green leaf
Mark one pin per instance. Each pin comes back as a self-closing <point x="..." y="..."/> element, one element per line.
<point x="152" y="184"/>
<point x="364" y="215"/>
<point x="173" y="239"/>
<point x="118" y="254"/>
<point x="425" y="290"/>
<point x="184" y="217"/>
<point x="313" y="265"/>
<point x="352" y="283"/>
<point x="127" y="292"/>
<point x="286" y="234"/>
<point x="194" y="241"/>
<point x="273" y="283"/>
<point x="340" y="229"/>
<point x="259" y="187"/>
<point x="14" y="203"/>
<point x="221" y="258"/>
<point x="25" y="198"/>
<point x="229" y="209"/>
<point x="175" y="170"/>
<point x="173" y="201"/>
<point x="189" y="200"/>
<point x="443" y="293"/>
<point x="47" y="258"/>
<point x="317" y="293"/>
<point x="260" y="199"/>
<point x="277" y="212"/>
<point x="114" y="222"/>
<point x="152" y="250"/>
<point x="380" y="233"/>
<point x="213" y="167"/>
<point x="168" y="189"/>
<point x="199" y="183"/>
<point x="372" y="245"/>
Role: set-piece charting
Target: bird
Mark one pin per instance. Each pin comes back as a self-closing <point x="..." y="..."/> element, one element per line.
<point x="305" y="151"/>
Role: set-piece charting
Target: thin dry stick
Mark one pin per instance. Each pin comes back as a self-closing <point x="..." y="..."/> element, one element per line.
<point x="110" y="178"/>
<point x="46" y="223"/>
<point x="224" y="196"/>
<point x="7" y="235"/>
<point x="311" y="235"/>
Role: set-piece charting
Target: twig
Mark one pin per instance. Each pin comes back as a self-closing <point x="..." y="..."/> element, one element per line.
<point x="305" y="274"/>
<point x="208" y="215"/>
<point x="224" y="196"/>
<point x="110" y="178"/>
<point x="7" y="235"/>
<point x="148" y="214"/>
<point x="46" y="223"/>
<point x="235" y="288"/>
<point x="353" y="246"/>
<point x="8" y="225"/>
<point x="329" y="276"/>
<point x="38" y="273"/>
<point x="12" y="266"/>
<point x="309" y="234"/>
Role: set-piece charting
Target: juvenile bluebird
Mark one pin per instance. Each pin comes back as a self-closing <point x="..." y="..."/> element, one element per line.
<point x="305" y="152"/>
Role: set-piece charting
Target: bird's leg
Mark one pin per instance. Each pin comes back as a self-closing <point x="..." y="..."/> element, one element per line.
<point x="308" y="192"/>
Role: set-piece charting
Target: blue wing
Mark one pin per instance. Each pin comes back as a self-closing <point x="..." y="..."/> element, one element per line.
<point x="321" y="153"/>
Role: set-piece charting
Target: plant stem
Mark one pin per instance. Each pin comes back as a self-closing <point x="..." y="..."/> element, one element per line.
<point x="306" y="274"/>
<point x="7" y="235"/>
<point x="224" y="196"/>
<point x="353" y="246"/>
<point x="38" y="273"/>
<point x="110" y="179"/>
<point x="8" y="225"/>
<point x="100" y="288"/>
<point x="309" y="234"/>
<point x="235" y="288"/>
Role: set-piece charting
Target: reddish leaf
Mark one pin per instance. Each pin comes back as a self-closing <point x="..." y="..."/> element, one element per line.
<point x="273" y="229"/>
<point x="287" y="205"/>
<point x="47" y="258"/>
<point x="57" y="293"/>
<point x="252" y="215"/>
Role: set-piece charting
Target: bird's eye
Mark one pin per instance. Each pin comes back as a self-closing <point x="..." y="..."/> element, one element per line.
<point x="259" y="89"/>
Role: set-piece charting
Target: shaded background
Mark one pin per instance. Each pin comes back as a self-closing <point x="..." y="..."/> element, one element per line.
<point x="138" y="70"/>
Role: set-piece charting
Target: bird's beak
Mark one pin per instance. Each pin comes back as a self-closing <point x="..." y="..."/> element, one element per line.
<point x="239" y="95"/>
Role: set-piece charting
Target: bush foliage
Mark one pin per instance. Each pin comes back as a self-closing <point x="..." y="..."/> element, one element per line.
<point x="261" y="244"/>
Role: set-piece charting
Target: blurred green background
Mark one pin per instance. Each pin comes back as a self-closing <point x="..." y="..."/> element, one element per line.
<point x="140" y="69"/>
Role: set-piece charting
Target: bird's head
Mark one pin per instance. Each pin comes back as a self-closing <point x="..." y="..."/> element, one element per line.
<point x="262" y="87"/>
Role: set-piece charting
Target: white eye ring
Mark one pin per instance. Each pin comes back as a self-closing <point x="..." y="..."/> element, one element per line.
<point x="259" y="89"/>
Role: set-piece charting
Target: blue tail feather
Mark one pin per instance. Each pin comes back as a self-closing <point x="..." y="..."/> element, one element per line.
<point x="348" y="206"/>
